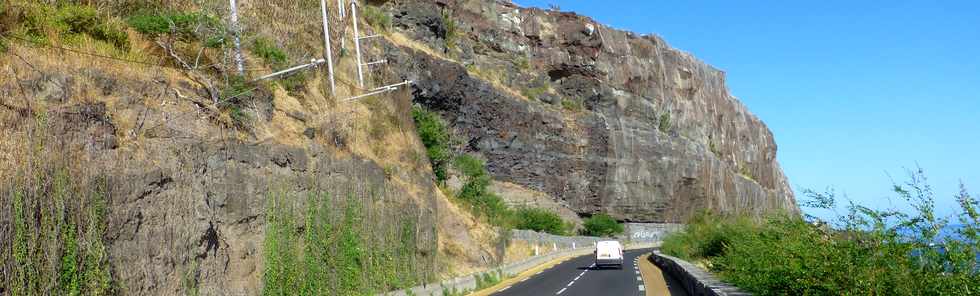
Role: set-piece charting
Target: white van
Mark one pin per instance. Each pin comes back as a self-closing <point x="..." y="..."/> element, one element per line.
<point x="608" y="253"/>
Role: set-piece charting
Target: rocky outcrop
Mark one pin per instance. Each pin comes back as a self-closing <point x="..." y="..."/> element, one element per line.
<point x="602" y="120"/>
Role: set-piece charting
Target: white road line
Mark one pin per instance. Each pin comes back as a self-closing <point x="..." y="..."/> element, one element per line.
<point x="570" y="284"/>
<point x="641" y="288"/>
<point x="639" y="279"/>
<point x="505" y="288"/>
<point x="539" y="272"/>
<point x="562" y="290"/>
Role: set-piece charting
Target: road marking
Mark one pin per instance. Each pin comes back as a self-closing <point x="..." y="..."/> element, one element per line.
<point x="505" y="288"/>
<point x="562" y="290"/>
<point x="539" y="272"/>
<point x="639" y="279"/>
<point x="570" y="284"/>
<point x="641" y="288"/>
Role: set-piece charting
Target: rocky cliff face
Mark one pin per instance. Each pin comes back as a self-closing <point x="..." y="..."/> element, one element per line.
<point x="602" y="120"/>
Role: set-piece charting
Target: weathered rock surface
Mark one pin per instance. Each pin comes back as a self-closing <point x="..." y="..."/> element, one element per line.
<point x="608" y="121"/>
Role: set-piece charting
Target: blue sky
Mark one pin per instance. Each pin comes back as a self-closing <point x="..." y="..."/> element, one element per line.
<point x="854" y="91"/>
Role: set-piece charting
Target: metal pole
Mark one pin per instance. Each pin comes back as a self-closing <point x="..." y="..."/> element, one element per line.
<point x="357" y="44"/>
<point x="340" y="8"/>
<point x="300" y="67"/>
<point x="239" y="60"/>
<point x="326" y="44"/>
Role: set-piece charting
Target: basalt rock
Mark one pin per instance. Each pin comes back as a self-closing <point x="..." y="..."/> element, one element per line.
<point x="643" y="131"/>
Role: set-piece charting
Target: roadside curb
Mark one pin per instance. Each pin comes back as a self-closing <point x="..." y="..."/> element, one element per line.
<point x="695" y="281"/>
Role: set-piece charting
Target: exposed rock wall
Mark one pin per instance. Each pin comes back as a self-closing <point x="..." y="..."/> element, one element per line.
<point x="601" y="119"/>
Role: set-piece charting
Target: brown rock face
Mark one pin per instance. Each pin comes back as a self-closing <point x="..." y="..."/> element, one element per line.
<point x="607" y="121"/>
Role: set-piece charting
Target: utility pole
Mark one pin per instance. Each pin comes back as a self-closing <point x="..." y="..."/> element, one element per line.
<point x="236" y="31"/>
<point x="357" y="44"/>
<point x="328" y="55"/>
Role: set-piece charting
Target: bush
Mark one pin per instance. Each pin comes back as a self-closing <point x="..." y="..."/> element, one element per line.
<point x="534" y="93"/>
<point x="865" y="251"/>
<point x="435" y="137"/>
<point x="38" y="20"/>
<point x="334" y="251"/>
<point x="470" y="166"/>
<point x="541" y="220"/>
<point x="271" y="54"/>
<point x="451" y="33"/>
<point x="57" y="222"/>
<point x="602" y="225"/>
<point x="377" y="18"/>
<point x="571" y="105"/>
<point x="185" y="25"/>
<point x="664" y="124"/>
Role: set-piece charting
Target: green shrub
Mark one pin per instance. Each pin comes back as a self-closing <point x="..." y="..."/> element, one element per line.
<point x="664" y="124"/>
<point x="705" y="235"/>
<point x="334" y="251"/>
<point x="571" y="105"/>
<point x="471" y="166"/>
<point x="452" y="32"/>
<point x="602" y="225"/>
<point x="68" y="20"/>
<point x="864" y="251"/>
<point x="435" y="137"/>
<point x="185" y="25"/>
<point x="534" y="93"/>
<point x="541" y="220"/>
<point x="522" y="63"/>
<point x="57" y="224"/>
<point x="271" y="54"/>
<point x="377" y="18"/>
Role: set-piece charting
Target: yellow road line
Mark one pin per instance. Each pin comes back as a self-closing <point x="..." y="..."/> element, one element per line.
<point x="523" y="276"/>
<point x="654" y="282"/>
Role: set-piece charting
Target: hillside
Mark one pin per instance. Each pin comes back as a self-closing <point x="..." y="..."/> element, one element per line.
<point x="141" y="162"/>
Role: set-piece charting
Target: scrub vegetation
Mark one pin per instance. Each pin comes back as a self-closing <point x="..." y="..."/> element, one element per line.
<point x="55" y="241"/>
<point x="330" y="247"/>
<point x="475" y="194"/>
<point x="601" y="225"/>
<point x="861" y="252"/>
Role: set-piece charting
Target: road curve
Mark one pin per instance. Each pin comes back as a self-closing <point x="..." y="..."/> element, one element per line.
<point x="577" y="276"/>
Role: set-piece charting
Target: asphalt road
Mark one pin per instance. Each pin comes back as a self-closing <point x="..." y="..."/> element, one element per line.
<point x="577" y="276"/>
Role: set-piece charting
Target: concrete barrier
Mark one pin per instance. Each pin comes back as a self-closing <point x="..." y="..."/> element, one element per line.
<point x="696" y="281"/>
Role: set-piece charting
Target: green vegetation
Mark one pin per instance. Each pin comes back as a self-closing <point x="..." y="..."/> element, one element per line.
<point x="488" y="279"/>
<point x="863" y="252"/>
<point x="522" y="63"/>
<point x="271" y="54"/>
<point x="602" y="225"/>
<point x="571" y="104"/>
<point x="535" y="92"/>
<point x="451" y="33"/>
<point x="478" y="197"/>
<point x="40" y="21"/>
<point x="377" y="18"/>
<point x="185" y="25"/>
<point x="335" y="250"/>
<point x="58" y="217"/>
<point x="541" y="220"/>
<point x="664" y="123"/>
<point x="435" y="137"/>
<point x="475" y="193"/>
<point x="713" y="148"/>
